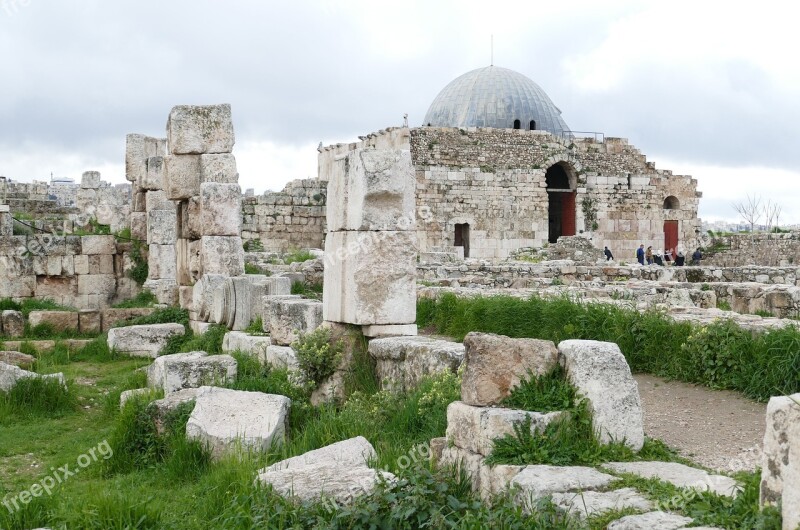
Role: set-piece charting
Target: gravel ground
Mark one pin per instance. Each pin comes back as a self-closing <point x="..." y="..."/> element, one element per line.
<point x="717" y="429"/>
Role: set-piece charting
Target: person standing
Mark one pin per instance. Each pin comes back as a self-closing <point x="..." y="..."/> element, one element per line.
<point x="648" y="256"/>
<point x="696" y="257"/>
<point x="609" y="255"/>
<point x="640" y="255"/>
<point x="680" y="259"/>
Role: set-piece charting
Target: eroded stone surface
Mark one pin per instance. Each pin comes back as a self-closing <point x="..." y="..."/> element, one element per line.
<point x="10" y="375"/>
<point x="340" y="483"/>
<point x="651" y="521"/>
<point x="495" y="364"/>
<point x="678" y="475"/>
<point x="781" y="458"/>
<point x="22" y="360"/>
<point x="232" y="420"/>
<point x="587" y="503"/>
<point x="291" y="317"/>
<point x="351" y="452"/>
<point x="142" y="341"/>
<point x="600" y="373"/>
<point x="401" y="362"/>
<point x="191" y="370"/>
<point x="200" y="129"/>
<point x="475" y="428"/>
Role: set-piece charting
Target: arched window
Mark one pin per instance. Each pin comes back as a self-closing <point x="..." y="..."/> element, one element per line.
<point x="671" y="203"/>
<point x="533" y="125"/>
<point x="517" y="124"/>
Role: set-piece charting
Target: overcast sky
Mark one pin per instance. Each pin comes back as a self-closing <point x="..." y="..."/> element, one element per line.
<point x="706" y="89"/>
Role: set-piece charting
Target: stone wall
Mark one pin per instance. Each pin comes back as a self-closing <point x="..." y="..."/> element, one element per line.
<point x="85" y="272"/>
<point x="771" y="250"/>
<point x="291" y="218"/>
<point x="494" y="180"/>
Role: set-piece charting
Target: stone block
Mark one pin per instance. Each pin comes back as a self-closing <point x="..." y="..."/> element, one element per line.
<point x="90" y="321"/>
<point x="90" y="180"/>
<point x="165" y="290"/>
<point x="190" y="370"/>
<point x="101" y="264"/>
<point x="781" y="458"/>
<point x="158" y="200"/>
<point x="185" y="297"/>
<point x="377" y="192"/>
<point x="138" y="148"/>
<point x="541" y="481"/>
<point x="142" y="341"/>
<point x="162" y="227"/>
<point x="268" y="307"/>
<point x="10" y="375"/>
<point x="222" y="255"/>
<point x="389" y="330"/>
<point x="475" y="428"/>
<point x="181" y="176"/>
<point x="227" y="421"/>
<point x="370" y="278"/>
<point x="198" y="327"/>
<point x="58" y="320"/>
<point x="590" y="503"/>
<point x="679" y="475"/>
<point x="291" y="317"/>
<point x="402" y="362"/>
<point x="162" y="262"/>
<point x="203" y="294"/>
<point x="104" y="285"/>
<point x="161" y="409"/>
<point x="128" y="395"/>
<point x="218" y="168"/>
<point x="23" y="360"/>
<point x="111" y="316"/>
<point x="81" y="264"/>
<point x="221" y="209"/>
<point x="650" y="521"/>
<point x="200" y="129"/>
<point x="495" y="364"/>
<point x="93" y="245"/>
<point x="600" y="373"/>
<point x="154" y="174"/>
<point x="139" y="225"/>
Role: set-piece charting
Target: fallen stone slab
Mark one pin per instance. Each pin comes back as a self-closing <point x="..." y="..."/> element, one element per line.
<point x="650" y="521"/>
<point x="59" y="320"/>
<point x="227" y="421"/>
<point x="10" y="375"/>
<point x="495" y="364"/>
<point x="13" y="323"/>
<point x="143" y="341"/>
<point x="402" y="362"/>
<point x="156" y="372"/>
<point x="23" y="360"/>
<point x="539" y="481"/>
<point x="192" y="370"/>
<point x="291" y="317"/>
<point x="254" y="345"/>
<point x="351" y="452"/>
<point x="678" y="475"/>
<point x="588" y="503"/>
<point x="161" y="409"/>
<point x="475" y="428"/>
<point x="281" y="357"/>
<point x="600" y="373"/>
<point x="487" y="481"/>
<point x="329" y="481"/>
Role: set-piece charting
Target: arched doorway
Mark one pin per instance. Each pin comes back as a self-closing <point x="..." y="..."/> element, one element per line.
<point x="561" y="183"/>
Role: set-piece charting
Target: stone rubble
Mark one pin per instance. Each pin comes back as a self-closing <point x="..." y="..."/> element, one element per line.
<point x="144" y="340"/>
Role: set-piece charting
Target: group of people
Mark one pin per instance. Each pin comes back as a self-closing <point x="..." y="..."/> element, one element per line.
<point x="649" y="257"/>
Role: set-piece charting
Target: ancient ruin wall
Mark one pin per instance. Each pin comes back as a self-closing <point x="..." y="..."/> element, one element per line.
<point x="494" y="180"/>
<point x="293" y="218"/>
<point x="769" y="250"/>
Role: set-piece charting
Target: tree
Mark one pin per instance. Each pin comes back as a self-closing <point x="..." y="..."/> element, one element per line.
<point x="750" y="210"/>
<point x="772" y="212"/>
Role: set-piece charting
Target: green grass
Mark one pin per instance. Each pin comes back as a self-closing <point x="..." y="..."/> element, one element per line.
<point x="33" y="304"/>
<point x="36" y="397"/>
<point x="256" y="327"/>
<point x="250" y="268"/>
<point x="307" y="290"/>
<point x="544" y="393"/>
<point x="720" y="355"/>
<point x="144" y="299"/>
<point x="297" y="256"/>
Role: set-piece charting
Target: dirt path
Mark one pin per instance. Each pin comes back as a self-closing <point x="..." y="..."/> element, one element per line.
<point x="715" y="428"/>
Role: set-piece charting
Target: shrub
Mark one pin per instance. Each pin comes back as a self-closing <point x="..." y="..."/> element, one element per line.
<point x="297" y="256"/>
<point x="250" y="268"/>
<point x="307" y="290"/>
<point x="317" y="356"/>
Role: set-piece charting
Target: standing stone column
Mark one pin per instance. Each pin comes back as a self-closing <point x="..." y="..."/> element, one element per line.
<point x="200" y="177"/>
<point x="370" y="248"/>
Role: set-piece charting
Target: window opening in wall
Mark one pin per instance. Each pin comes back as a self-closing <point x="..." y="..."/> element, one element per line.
<point x="672" y="203"/>
<point x="533" y="125"/>
<point x="517" y="124"/>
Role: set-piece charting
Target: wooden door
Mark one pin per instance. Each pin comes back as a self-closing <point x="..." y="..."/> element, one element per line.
<point x="670" y="235"/>
<point x="568" y="214"/>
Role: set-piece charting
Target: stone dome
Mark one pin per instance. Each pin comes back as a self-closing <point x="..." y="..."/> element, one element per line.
<point x="495" y="97"/>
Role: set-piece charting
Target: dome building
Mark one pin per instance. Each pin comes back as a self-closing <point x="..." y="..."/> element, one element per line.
<point x="495" y="97"/>
<point x="498" y="169"/>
